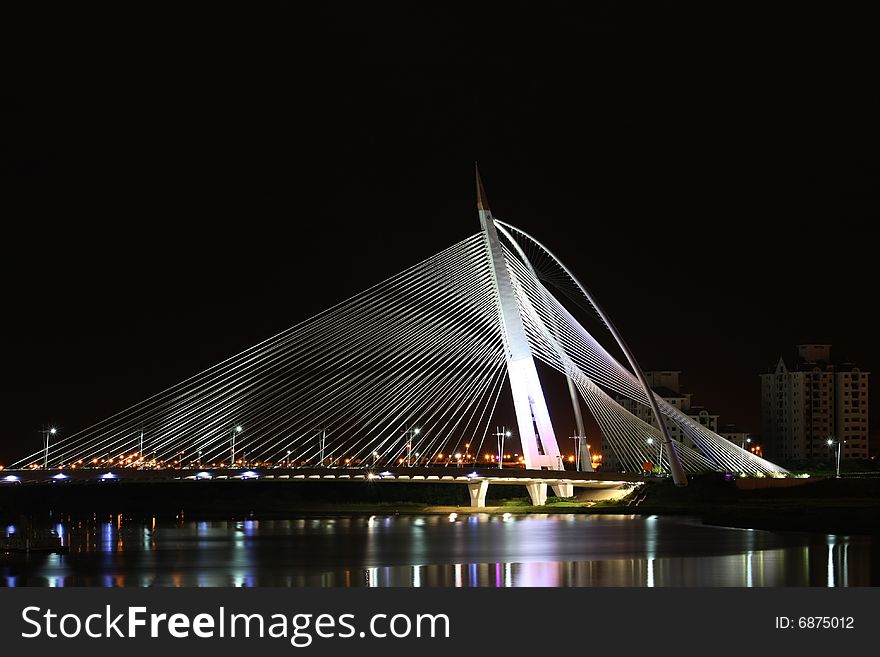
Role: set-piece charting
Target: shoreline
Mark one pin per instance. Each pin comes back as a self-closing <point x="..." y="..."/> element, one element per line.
<point x="824" y="505"/>
<point x="845" y="522"/>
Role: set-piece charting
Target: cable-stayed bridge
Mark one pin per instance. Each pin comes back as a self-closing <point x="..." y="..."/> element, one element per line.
<point x="408" y="374"/>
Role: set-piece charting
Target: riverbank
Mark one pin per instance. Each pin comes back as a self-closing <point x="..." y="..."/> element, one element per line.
<point x="839" y="506"/>
<point x="849" y="506"/>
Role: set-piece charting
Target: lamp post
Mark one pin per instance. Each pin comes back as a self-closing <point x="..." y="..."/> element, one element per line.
<point x="235" y="431"/>
<point x="46" y="433"/>
<point x="747" y="441"/>
<point x="659" y="454"/>
<point x="413" y="431"/>
<point x="831" y="442"/>
<point x="500" y="435"/>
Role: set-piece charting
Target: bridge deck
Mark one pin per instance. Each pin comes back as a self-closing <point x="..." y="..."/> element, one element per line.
<point x="510" y="476"/>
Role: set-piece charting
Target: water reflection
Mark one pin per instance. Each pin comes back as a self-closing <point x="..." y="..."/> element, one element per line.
<point x="440" y="551"/>
<point x="831" y="541"/>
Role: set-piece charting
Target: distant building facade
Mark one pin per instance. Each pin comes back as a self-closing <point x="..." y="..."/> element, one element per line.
<point x="666" y="384"/>
<point x="810" y="400"/>
<point x="735" y="435"/>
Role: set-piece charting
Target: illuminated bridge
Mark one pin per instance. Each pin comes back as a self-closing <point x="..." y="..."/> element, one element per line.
<point x="406" y="377"/>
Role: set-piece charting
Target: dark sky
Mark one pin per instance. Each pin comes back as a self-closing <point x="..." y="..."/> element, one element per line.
<point x="182" y="183"/>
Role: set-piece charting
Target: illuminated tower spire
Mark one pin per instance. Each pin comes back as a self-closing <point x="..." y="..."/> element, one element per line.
<point x="540" y="450"/>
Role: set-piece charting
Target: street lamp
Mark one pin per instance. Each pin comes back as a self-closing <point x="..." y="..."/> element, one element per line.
<point x="659" y="453"/>
<point x="235" y="431"/>
<point x="322" y="443"/>
<point x="46" y="433"/>
<point x="747" y="441"/>
<point x="413" y="431"/>
<point x="831" y="442"/>
<point x="501" y="434"/>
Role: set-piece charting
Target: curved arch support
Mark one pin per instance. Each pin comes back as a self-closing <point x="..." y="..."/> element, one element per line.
<point x="675" y="467"/>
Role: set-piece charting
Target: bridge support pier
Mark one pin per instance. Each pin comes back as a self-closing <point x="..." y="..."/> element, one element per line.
<point x="477" y="490"/>
<point x="563" y="490"/>
<point x="538" y="493"/>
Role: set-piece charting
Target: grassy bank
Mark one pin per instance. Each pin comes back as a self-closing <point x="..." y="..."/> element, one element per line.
<point x="227" y="499"/>
<point x="822" y="505"/>
<point x="826" y="505"/>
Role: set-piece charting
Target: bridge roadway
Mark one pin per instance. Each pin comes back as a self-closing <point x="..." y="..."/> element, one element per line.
<point x="477" y="479"/>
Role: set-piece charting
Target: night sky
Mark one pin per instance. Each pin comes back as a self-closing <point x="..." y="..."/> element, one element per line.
<point x="182" y="185"/>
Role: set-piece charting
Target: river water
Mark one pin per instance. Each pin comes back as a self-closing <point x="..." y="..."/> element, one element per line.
<point x="442" y="551"/>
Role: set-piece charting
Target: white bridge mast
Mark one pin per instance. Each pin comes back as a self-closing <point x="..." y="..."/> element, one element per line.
<point x="539" y="447"/>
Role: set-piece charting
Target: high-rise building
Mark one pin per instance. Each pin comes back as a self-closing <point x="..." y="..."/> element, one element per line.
<point x="812" y="401"/>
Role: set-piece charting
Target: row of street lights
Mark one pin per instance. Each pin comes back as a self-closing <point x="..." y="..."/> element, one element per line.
<point x="501" y="434"/>
<point x="236" y="430"/>
<point x="52" y="431"/>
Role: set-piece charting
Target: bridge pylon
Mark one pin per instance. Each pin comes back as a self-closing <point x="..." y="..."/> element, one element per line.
<point x="539" y="447"/>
